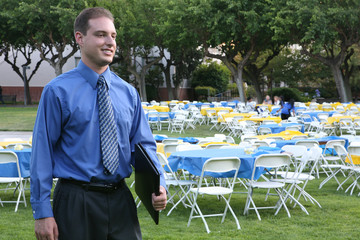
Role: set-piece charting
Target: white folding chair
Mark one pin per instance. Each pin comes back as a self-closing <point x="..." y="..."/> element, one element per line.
<point x="336" y="167"/>
<point x="268" y="161"/>
<point x="8" y="157"/>
<point x="217" y="166"/>
<point x="182" y="187"/>
<point x="264" y="130"/>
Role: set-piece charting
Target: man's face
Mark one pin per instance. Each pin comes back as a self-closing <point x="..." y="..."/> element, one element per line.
<point x="98" y="45"/>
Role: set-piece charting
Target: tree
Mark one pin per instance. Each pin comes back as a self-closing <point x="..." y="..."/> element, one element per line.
<point x="14" y="44"/>
<point x="137" y="38"/>
<point x="211" y="75"/>
<point x="50" y="28"/>
<point x="324" y="29"/>
<point x="179" y="43"/>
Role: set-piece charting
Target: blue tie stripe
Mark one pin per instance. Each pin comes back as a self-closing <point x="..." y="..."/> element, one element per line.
<point x="108" y="133"/>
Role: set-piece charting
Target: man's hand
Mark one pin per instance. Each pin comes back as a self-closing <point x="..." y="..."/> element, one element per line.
<point x="46" y="228"/>
<point x="159" y="202"/>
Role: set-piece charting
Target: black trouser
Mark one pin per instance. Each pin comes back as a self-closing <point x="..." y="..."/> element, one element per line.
<point x="82" y="213"/>
<point x="285" y="116"/>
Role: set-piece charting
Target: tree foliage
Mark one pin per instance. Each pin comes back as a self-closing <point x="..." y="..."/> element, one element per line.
<point x="212" y="75"/>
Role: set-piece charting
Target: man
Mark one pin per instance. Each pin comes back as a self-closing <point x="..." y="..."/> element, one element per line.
<point x="91" y="199"/>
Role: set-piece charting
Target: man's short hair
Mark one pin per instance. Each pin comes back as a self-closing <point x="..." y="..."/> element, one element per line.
<point x="81" y="23"/>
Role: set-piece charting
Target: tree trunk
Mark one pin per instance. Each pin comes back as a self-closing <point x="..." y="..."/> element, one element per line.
<point x="340" y="84"/>
<point x="240" y="83"/>
<point x="168" y="84"/>
<point x="27" y="96"/>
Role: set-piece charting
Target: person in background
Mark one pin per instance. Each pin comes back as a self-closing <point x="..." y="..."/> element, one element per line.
<point x="287" y="108"/>
<point x="267" y="100"/>
<point x="276" y="101"/>
<point x="81" y="114"/>
<point x="250" y="104"/>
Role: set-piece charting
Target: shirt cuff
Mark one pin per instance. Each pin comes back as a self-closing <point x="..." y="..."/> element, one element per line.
<point x="42" y="210"/>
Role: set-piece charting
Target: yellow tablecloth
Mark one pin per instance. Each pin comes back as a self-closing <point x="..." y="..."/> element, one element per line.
<point x="275" y="119"/>
<point x="267" y="105"/>
<point x="217" y="109"/>
<point x="355" y="159"/>
<point x="232" y="114"/>
<point x="331" y="120"/>
<point x="158" y="108"/>
<point x="208" y="143"/>
<point x="4" y="144"/>
<point x="287" y="135"/>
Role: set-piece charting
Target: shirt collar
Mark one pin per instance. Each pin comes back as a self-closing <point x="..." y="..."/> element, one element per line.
<point x="91" y="76"/>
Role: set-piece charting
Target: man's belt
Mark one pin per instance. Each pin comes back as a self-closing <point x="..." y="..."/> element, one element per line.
<point x="96" y="187"/>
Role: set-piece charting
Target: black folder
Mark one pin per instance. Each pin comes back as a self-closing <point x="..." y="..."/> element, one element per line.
<point x="147" y="180"/>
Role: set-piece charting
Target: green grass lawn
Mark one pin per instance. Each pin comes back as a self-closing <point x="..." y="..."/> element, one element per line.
<point x="337" y="219"/>
<point x="17" y="118"/>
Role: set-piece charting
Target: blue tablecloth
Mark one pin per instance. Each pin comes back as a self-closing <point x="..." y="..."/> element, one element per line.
<point x="185" y="139"/>
<point x="275" y="108"/>
<point x="10" y="170"/>
<point x="322" y="141"/>
<point x="275" y="128"/>
<point x="315" y="114"/>
<point x="162" y="116"/>
<point x="198" y="105"/>
<point x="193" y="161"/>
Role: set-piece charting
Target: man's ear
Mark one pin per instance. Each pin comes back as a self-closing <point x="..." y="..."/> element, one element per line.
<point x="79" y="37"/>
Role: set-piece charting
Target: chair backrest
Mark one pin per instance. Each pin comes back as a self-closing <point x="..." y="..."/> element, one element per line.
<point x="170" y="140"/>
<point x="264" y="130"/>
<point x="230" y="139"/>
<point x="10" y="157"/>
<point x="299" y="137"/>
<point x="170" y="148"/>
<point x="272" y="160"/>
<point x="216" y="146"/>
<point x="307" y="143"/>
<point x="21" y="145"/>
<point x="221" y="165"/>
<point x="354" y="150"/>
<point x="220" y="136"/>
<point x="188" y="147"/>
<point x="293" y="128"/>
<point x="275" y="138"/>
<point x="261" y="143"/>
<point x="296" y="150"/>
<point x="331" y="143"/>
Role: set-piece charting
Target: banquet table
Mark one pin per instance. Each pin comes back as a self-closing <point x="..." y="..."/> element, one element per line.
<point x="322" y="141"/>
<point x="232" y="114"/>
<point x="331" y="120"/>
<point x="259" y="120"/>
<point x="277" y="128"/>
<point x="10" y="169"/>
<point x="161" y="116"/>
<point x="157" y="108"/>
<point x="194" y="160"/>
<point x="314" y="114"/>
<point x="5" y="143"/>
<point x="217" y="109"/>
<point x="287" y="135"/>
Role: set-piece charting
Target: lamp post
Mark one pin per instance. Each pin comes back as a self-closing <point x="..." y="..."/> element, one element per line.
<point x="25" y="83"/>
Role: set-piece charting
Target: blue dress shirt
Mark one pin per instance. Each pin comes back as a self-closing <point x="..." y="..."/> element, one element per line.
<point x="66" y="137"/>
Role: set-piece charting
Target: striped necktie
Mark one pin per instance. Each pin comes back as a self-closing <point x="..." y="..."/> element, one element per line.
<point x="108" y="134"/>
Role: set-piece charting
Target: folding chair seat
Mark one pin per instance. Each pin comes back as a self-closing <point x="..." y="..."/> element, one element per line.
<point x="217" y="166"/>
<point x="268" y="161"/>
<point x="299" y="137"/>
<point x="329" y="155"/>
<point x="181" y="187"/>
<point x="170" y="140"/>
<point x="10" y="158"/>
